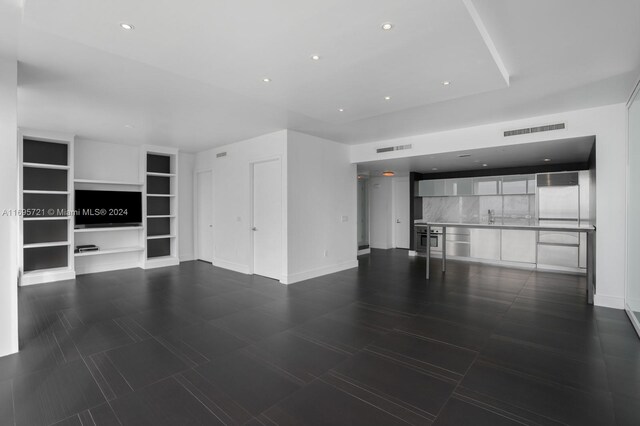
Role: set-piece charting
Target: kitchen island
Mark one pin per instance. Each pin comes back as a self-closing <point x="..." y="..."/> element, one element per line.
<point x="532" y="225"/>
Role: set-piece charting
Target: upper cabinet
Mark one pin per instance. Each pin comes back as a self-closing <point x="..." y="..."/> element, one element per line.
<point x="520" y="184"/>
<point x="486" y="185"/>
<point x="494" y="185"/>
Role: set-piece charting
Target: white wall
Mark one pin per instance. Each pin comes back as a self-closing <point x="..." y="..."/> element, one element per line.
<point x="9" y="19"/>
<point x="186" y="164"/>
<point x="106" y="161"/>
<point x="232" y="196"/>
<point x="607" y="123"/>
<point x="322" y="215"/>
<point x="380" y="213"/>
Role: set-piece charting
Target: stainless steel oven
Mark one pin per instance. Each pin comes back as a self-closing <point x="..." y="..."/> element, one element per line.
<point x="422" y="239"/>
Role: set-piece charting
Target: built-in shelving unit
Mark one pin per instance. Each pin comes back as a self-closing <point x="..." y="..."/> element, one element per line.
<point x="46" y="233"/>
<point x="161" y="206"/>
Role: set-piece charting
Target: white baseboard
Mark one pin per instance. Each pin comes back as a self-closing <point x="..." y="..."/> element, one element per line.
<point x="232" y="266"/>
<point x="187" y="257"/>
<point x="92" y="269"/>
<point x="46" y="277"/>
<point x="364" y="251"/>
<point x="161" y="262"/>
<point x="313" y="273"/>
<point x="608" y="301"/>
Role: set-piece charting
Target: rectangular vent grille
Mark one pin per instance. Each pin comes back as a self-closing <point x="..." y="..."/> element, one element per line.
<point x="537" y="129"/>
<point x="221" y="154"/>
<point x="393" y="148"/>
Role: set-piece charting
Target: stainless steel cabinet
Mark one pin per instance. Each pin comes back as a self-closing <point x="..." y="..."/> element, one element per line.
<point x="485" y="244"/>
<point x="519" y="246"/>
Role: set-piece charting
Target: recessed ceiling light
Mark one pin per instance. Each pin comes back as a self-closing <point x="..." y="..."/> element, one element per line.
<point x="129" y="126"/>
<point x="315" y="57"/>
<point x="485" y="165"/>
<point x="434" y="169"/>
<point x="126" y="26"/>
<point x="547" y="160"/>
<point x="388" y="173"/>
<point x="341" y="109"/>
<point x="387" y="98"/>
<point x="266" y="80"/>
<point x="446" y="83"/>
<point x="387" y="26"/>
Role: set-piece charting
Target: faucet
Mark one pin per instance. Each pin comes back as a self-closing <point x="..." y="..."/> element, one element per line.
<point x="492" y="216"/>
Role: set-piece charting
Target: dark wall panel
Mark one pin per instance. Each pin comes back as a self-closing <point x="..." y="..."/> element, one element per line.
<point x="44" y="179"/>
<point x="45" y="231"/>
<point x="157" y="248"/>
<point x="45" y="258"/>
<point x="44" y="152"/>
<point x="158" y="206"/>
<point x="158" y="185"/>
<point x="45" y="205"/>
<point x="158" y="163"/>
<point x="159" y="226"/>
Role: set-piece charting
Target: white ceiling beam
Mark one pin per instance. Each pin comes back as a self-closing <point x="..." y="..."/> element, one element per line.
<point x="473" y="12"/>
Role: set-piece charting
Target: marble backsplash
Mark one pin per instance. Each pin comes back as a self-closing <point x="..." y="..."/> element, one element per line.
<point x="474" y="209"/>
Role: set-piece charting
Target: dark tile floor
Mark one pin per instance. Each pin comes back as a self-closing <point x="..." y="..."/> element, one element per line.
<point x="377" y="345"/>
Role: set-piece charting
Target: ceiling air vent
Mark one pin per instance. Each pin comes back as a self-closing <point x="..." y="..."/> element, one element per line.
<point x="393" y="148"/>
<point x="221" y="154"/>
<point x="537" y="129"/>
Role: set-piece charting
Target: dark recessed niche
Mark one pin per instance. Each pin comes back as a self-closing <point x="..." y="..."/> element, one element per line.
<point x="45" y="205"/>
<point x="45" y="231"/>
<point x="158" y="206"/>
<point x="159" y="226"/>
<point x="158" y="185"/>
<point x="158" y="163"/>
<point x="159" y="247"/>
<point x="44" y="152"/>
<point x="45" y="258"/>
<point x="37" y="179"/>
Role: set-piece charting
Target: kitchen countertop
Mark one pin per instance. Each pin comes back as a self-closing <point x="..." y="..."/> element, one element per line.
<point x="527" y="225"/>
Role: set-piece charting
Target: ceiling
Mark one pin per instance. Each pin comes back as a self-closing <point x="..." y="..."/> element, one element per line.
<point x="560" y="151"/>
<point x="192" y="76"/>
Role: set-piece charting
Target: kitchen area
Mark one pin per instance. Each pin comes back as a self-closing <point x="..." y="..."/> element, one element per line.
<point x="534" y="208"/>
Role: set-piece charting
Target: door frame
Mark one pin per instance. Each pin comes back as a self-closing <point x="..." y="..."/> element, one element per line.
<point x="283" y="216"/>
<point x="196" y="241"/>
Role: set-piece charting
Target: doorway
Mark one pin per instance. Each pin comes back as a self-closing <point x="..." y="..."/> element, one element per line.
<point x="401" y="227"/>
<point x="267" y="219"/>
<point x="204" y="216"/>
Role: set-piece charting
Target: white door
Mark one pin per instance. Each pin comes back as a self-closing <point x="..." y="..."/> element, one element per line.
<point x="204" y="216"/>
<point x="267" y="219"/>
<point x="401" y="212"/>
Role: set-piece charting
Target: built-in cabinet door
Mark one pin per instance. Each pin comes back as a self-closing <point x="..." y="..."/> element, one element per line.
<point x="485" y="244"/>
<point x="519" y="246"/>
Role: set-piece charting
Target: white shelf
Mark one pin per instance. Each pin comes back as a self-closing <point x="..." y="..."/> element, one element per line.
<point x="160" y="195"/>
<point x="29" y="219"/>
<point x="160" y="216"/>
<point x="106" y="229"/>
<point x="109" y="251"/>
<point x="31" y="191"/>
<point x="161" y="174"/>
<point x="52" y="244"/>
<point x="106" y="182"/>
<point x="160" y="237"/>
<point x="45" y="166"/>
<point x="46" y="271"/>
